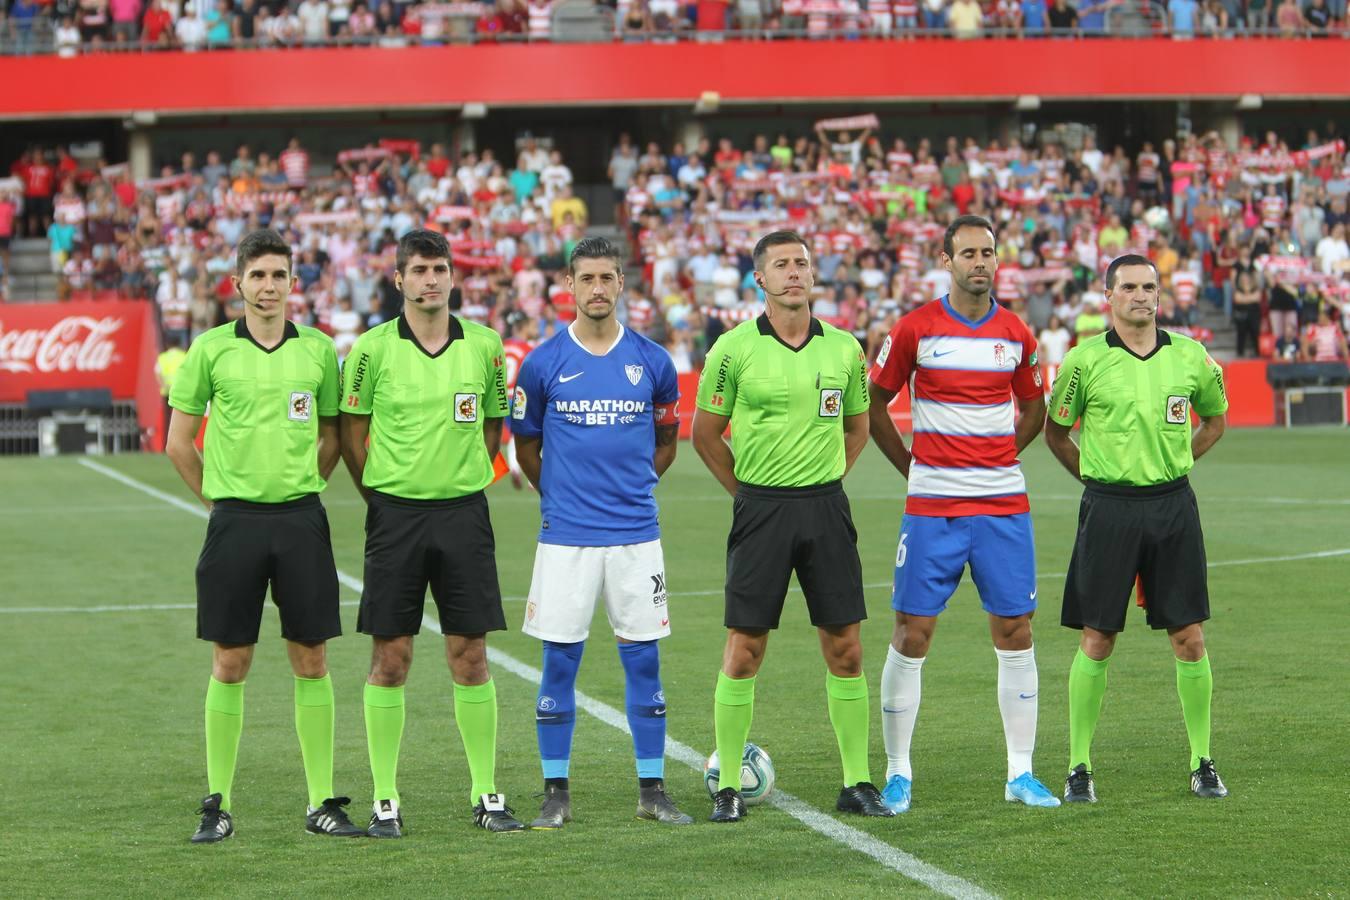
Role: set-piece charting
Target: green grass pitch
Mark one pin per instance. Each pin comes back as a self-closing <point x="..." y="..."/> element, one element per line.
<point x="101" y="712"/>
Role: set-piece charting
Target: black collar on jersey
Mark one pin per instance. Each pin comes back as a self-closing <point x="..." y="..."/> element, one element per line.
<point x="405" y="331"/>
<point x="765" y="328"/>
<point x="241" y="331"/>
<point x="1113" y="340"/>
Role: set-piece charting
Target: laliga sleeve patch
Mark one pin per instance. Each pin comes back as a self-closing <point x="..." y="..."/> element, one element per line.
<point x="831" y="400"/>
<point x="885" y="352"/>
<point x="301" y="406"/>
<point x="466" y="407"/>
<point x="518" y="403"/>
<point x="1177" y="408"/>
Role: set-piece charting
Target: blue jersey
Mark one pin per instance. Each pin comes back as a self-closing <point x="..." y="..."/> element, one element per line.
<point x="597" y="416"/>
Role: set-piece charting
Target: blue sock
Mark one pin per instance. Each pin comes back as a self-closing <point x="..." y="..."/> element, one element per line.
<point x="646" y="706"/>
<point x="555" y="714"/>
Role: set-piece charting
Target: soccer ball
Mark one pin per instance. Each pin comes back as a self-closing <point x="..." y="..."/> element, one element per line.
<point x="756" y="774"/>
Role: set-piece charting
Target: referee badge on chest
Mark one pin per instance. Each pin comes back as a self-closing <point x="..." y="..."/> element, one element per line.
<point x="301" y="406"/>
<point x="1177" y="409"/>
<point x="466" y="407"/>
<point x="831" y="399"/>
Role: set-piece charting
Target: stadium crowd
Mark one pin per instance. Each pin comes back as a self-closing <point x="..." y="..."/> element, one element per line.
<point x="1258" y="230"/>
<point x="69" y="27"/>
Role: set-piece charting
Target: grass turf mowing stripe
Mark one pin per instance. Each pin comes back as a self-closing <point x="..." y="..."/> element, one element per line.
<point x="892" y="857"/>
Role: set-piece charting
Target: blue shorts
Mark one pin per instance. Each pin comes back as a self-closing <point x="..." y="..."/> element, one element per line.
<point x="933" y="553"/>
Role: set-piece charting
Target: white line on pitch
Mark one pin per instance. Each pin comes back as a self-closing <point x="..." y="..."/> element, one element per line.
<point x="892" y="857"/>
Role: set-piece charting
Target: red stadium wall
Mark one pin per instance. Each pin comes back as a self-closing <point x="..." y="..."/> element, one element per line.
<point x="250" y="81"/>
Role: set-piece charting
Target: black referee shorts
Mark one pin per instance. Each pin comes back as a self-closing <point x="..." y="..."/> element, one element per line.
<point x="447" y="544"/>
<point x="1150" y="532"/>
<point x="249" y="545"/>
<point x="775" y="531"/>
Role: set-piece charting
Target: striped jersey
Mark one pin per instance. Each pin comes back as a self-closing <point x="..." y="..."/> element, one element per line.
<point x="962" y="378"/>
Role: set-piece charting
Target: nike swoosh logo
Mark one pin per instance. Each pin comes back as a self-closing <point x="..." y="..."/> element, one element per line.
<point x="660" y="712"/>
<point x="566" y="378"/>
<point x="944" y="353"/>
<point x="1025" y="696"/>
<point x="1033" y="595"/>
<point x="887" y="709"/>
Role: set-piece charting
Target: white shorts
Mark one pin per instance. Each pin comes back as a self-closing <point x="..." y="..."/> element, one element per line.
<point x="567" y="582"/>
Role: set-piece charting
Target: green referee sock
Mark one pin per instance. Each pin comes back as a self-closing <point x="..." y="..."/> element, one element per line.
<point x="849" y="716"/>
<point x="476" y="717"/>
<point x="384" y="734"/>
<point x="224" y="724"/>
<point x="733" y="707"/>
<point x="1195" y="686"/>
<point x="314" y="727"/>
<point x="1087" y="687"/>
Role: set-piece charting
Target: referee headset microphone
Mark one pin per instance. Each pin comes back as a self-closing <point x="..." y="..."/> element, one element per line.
<point x="765" y="288"/>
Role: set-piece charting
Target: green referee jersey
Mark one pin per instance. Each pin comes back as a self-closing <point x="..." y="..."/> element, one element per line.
<point x="426" y="409"/>
<point x="1135" y="410"/>
<point x="787" y="406"/>
<point x="262" y="430"/>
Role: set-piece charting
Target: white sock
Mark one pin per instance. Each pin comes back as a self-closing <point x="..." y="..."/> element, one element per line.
<point x="1017" y="689"/>
<point x="901" y="687"/>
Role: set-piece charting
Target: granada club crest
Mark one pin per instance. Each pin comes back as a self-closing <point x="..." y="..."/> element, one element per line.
<point x="1000" y="355"/>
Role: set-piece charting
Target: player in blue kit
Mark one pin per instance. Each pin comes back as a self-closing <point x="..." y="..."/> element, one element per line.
<point x="596" y="422"/>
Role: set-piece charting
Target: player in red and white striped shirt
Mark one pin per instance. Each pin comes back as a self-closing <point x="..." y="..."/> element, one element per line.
<point x="968" y="364"/>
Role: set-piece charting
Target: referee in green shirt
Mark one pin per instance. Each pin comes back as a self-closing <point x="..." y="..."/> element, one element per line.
<point x="794" y="391"/>
<point x="428" y="390"/>
<point x="1134" y="388"/>
<point x="271" y="443"/>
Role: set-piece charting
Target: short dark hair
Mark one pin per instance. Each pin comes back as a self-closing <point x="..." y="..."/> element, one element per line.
<point x="424" y="243"/>
<point x="260" y="243"/>
<point x="594" y="248"/>
<point x="949" y="236"/>
<point x="1129" y="259"/>
<point x="774" y="239"/>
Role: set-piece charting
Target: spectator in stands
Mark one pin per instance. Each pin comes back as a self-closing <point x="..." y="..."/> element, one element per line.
<point x="1317" y="17"/>
<point x="190" y="30"/>
<point x="313" y="20"/>
<point x="93" y="21"/>
<point x="1063" y="18"/>
<point x="1324" y="341"/>
<point x="361" y="24"/>
<point x="1213" y="19"/>
<point x="934" y="15"/>
<point x="1284" y="307"/>
<point x="219" y="21"/>
<point x="9" y="212"/>
<point x="22" y="16"/>
<point x="67" y="38"/>
<point x="1247" y="313"/>
<point x="1289" y="18"/>
<point x="1332" y="251"/>
<point x="965" y="19"/>
<point x="125" y="16"/>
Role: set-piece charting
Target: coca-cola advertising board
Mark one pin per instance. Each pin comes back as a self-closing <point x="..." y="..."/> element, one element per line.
<point x="81" y="344"/>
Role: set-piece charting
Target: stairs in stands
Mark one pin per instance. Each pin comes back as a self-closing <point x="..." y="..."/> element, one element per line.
<point x="30" y="270"/>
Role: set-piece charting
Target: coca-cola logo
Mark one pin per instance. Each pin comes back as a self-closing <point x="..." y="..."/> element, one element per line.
<point x="74" y="344"/>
